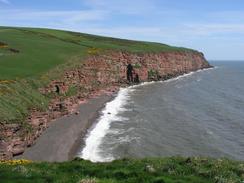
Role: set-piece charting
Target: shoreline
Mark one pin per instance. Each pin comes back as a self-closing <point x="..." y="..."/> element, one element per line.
<point x="77" y="85"/>
<point x="65" y="136"/>
<point x="80" y="142"/>
<point x="92" y="148"/>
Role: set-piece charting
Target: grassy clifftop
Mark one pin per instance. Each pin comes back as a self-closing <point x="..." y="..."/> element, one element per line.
<point x="31" y="52"/>
<point x="166" y="170"/>
<point x="30" y="58"/>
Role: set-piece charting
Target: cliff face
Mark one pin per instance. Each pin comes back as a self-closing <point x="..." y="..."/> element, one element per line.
<point x="112" y="67"/>
<point x="98" y="72"/>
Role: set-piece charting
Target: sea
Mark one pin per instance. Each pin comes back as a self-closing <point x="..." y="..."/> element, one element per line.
<point x="197" y="114"/>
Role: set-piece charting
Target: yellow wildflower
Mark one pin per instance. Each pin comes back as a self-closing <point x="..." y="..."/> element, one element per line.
<point x="93" y="51"/>
<point x="15" y="162"/>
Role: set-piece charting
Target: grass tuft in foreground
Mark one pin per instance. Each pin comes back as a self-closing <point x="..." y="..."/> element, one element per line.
<point x="157" y="170"/>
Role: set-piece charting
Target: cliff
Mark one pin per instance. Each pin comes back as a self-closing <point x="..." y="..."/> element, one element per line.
<point x="96" y="73"/>
<point x="46" y="74"/>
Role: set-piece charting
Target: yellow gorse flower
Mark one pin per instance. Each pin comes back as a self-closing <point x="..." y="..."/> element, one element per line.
<point x="6" y="81"/>
<point x="93" y="51"/>
<point x="15" y="162"/>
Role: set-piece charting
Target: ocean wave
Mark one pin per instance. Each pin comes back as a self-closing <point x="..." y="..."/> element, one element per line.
<point x="141" y="84"/>
<point x="110" y="113"/>
<point x="94" y="138"/>
<point x="186" y="75"/>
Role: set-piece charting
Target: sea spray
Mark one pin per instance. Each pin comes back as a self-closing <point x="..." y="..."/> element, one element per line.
<point x="109" y="114"/>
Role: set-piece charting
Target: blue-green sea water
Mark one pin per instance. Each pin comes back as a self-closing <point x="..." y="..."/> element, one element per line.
<point x="199" y="114"/>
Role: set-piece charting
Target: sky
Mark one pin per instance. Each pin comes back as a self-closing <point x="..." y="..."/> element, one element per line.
<point x="215" y="27"/>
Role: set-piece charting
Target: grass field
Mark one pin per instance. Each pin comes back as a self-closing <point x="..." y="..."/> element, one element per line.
<point x="42" y="49"/>
<point x="164" y="170"/>
<point x="30" y="53"/>
<point x="38" y="53"/>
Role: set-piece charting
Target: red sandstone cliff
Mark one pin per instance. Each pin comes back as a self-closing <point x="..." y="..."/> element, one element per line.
<point x="96" y="73"/>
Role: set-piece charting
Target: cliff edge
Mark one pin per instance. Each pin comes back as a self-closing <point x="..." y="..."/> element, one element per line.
<point x="58" y="91"/>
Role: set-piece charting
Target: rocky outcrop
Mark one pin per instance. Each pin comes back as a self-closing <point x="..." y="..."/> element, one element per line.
<point x="98" y="73"/>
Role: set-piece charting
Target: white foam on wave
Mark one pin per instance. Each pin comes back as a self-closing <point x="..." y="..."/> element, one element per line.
<point x="186" y="75"/>
<point x="110" y="113"/>
<point x="94" y="138"/>
<point x="173" y="79"/>
<point x="142" y="84"/>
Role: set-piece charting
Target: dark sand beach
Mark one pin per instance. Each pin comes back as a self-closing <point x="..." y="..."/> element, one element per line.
<point x="64" y="137"/>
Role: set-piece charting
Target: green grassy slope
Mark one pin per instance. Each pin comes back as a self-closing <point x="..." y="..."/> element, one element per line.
<point x="37" y="53"/>
<point x="31" y="53"/>
<point x="167" y="170"/>
<point x="42" y="49"/>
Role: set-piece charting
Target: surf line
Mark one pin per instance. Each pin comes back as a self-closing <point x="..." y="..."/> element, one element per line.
<point x="95" y="136"/>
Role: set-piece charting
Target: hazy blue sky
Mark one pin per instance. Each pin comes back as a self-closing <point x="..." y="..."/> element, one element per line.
<point x="215" y="27"/>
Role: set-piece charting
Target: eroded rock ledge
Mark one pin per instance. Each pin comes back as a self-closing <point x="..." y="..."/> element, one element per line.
<point x="97" y="74"/>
